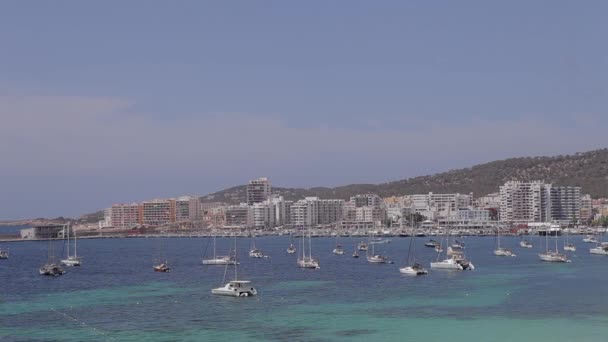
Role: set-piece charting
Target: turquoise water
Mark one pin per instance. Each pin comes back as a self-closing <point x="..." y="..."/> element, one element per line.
<point x="115" y="295"/>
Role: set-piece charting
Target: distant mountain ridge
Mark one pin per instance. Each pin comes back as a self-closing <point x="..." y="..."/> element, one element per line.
<point x="589" y="170"/>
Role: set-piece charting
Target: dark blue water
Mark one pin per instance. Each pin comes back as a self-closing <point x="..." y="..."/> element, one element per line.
<point x="116" y="296"/>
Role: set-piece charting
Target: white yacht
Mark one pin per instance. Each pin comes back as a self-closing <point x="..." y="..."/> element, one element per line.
<point x="235" y="287"/>
<point x="362" y="246"/>
<point x="255" y="252"/>
<point x="416" y="269"/>
<point x="307" y="261"/>
<point x="601" y="249"/>
<point x="51" y="268"/>
<point x="431" y="243"/>
<point x="552" y="256"/>
<point x="568" y="246"/>
<point x="377" y="258"/>
<point x="590" y="239"/>
<point x="453" y="263"/>
<point x="219" y="260"/>
<point x="525" y="244"/>
<point x="338" y="250"/>
<point x="70" y="260"/>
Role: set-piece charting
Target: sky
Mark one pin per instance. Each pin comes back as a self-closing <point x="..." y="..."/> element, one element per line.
<point x="119" y="101"/>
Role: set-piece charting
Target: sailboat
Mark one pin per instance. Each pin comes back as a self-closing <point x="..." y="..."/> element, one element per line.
<point x="70" y="260"/>
<point x="219" y="260"/>
<point x="601" y="248"/>
<point x="552" y="256"/>
<point x="413" y="267"/>
<point x="362" y="246"/>
<point x="291" y="249"/>
<point x="254" y="252"/>
<point x="501" y="251"/>
<point x="338" y="250"/>
<point x="377" y="258"/>
<point x="235" y="287"/>
<point x="590" y="239"/>
<point x="51" y="268"/>
<point x="524" y="243"/>
<point x="159" y="265"/>
<point x="569" y="246"/>
<point x="307" y="261"/>
<point x="452" y="262"/>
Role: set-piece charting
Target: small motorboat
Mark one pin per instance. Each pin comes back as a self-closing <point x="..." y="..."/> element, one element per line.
<point x="501" y="251"/>
<point x="590" y="239"/>
<point x="256" y="253"/>
<point x="4" y="254"/>
<point x="570" y="247"/>
<point x="291" y="249"/>
<point x="356" y="254"/>
<point x="378" y="259"/>
<point x="432" y="244"/>
<point x="338" y="250"/>
<point x="308" y="262"/>
<point x="362" y="246"/>
<point x="525" y="244"/>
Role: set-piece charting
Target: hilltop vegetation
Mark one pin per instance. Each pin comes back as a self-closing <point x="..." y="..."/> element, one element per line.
<point x="589" y="170"/>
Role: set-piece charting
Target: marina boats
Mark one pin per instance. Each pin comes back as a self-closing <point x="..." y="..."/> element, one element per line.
<point x="413" y="268"/>
<point x="590" y="239"/>
<point x="501" y="251"/>
<point x="552" y="256"/>
<point x="4" y="254"/>
<point x="307" y="261"/>
<point x="51" y="268"/>
<point x="219" y="260"/>
<point x="70" y="260"/>
<point x="432" y="243"/>
<point x="235" y="287"/>
<point x="362" y="246"/>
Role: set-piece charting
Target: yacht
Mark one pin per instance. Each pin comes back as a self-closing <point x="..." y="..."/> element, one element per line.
<point x="291" y="249"/>
<point x="438" y="249"/>
<point x="235" y="287"/>
<point x="338" y="250"/>
<point x="219" y="260"/>
<point x="70" y="260"/>
<point x="601" y="250"/>
<point x="356" y="254"/>
<point x="4" y="254"/>
<point x="432" y="243"/>
<point x="51" y="268"/>
<point x="570" y="247"/>
<point x="377" y="258"/>
<point x="525" y="244"/>
<point x="453" y="263"/>
<point x="590" y="239"/>
<point x="458" y="245"/>
<point x="255" y="252"/>
<point x="307" y="261"/>
<point x="415" y="269"/>
<point x="501" y="251"/>
<point x="552" y="256"/>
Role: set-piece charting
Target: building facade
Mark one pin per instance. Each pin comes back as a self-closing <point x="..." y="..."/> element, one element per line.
<point x="258" y="190"/>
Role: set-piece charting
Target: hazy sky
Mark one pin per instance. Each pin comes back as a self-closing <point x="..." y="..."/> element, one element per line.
<point x="119" y="101"/>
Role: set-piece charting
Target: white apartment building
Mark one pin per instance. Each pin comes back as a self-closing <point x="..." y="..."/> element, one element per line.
<point x="182" y="208"/>
<point x="523" y="202"/>
<point x="305" y="212"/>
<point x="434" y="206"/>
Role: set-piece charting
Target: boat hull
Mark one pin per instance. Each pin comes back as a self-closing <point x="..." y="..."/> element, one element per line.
<point x="553" y="258"/>
<point x="413" y="271"/>
<point x="219" y="261"/>
<point x="599" y="251"/>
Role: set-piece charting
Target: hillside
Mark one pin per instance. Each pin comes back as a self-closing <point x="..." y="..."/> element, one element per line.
<point x="588" y="170"/>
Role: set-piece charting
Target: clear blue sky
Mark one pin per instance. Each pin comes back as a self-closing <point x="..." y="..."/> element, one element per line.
<point x="118" y="101"/>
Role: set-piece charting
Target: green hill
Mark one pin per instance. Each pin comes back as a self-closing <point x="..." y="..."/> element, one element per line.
<point x="588" y="170"/>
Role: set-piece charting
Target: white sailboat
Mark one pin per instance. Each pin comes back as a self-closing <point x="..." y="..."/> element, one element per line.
<point x="569" y="246"/>
<point x="254" y="252"/>
<point x="501" y="251"/>
<point x="307" y="261"/>
<point x="590" y="239"/>
<point x="70" y="260"/>
<point x="412" y="268"/>
<point x="219" y="260"/>
<point x="377" y="258"/>
<point x="338" y="250"/>
<point x="601" y="249"/>
<point x="524" y="243"/>
<point x="4" y="254"/>
<point x="235" y="287"/>
<point x="552" y="256"/>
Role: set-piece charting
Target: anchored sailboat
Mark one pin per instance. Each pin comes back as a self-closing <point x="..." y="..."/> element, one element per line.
<point x="51" y="268"/>
<point x="307" y="261"/>
<point x="70" y="260"/>
<point x="453" y="262"/>
<point x="219" y="260"/>
<point x="501" y="251"/>
<point x="552" y="256"/>
<point x="413" y="268"/>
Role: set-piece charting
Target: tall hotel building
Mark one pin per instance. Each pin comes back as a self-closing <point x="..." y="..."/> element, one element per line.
<point x="158" y="211"/>
<point x="258" y="190"/>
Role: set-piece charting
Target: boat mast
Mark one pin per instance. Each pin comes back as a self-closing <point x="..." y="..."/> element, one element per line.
<point x="75" y="244"/>
<point x="309" y="244"/>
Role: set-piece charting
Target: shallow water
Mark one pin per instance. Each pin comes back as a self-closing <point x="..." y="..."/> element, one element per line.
<point x="115" y="295"/>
